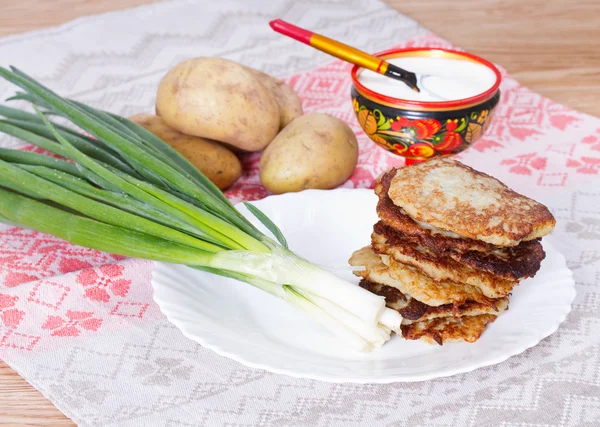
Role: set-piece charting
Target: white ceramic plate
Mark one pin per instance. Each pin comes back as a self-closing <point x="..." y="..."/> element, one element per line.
<point x="240" y="322"/>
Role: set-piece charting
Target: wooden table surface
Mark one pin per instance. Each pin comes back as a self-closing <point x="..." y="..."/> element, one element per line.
<point x="548" y="45"/>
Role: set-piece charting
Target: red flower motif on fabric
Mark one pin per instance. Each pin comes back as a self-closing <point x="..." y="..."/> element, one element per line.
<point x="10" y="315"/>
<point x="36" y="149"/>
<point x="27" y="255"/>
<point x="14" y="278"/>
<point x="103" y="279"/>
<point x="12" y="339"/>
<point x="560" y="117"/>
<point x="525" y="163"/>
<point x="73" y="324"/>
<point x="486" y="144"/>
<point x="585" y="165"/>
<point x="593" y="140"/>
<point x="523" y="114"/>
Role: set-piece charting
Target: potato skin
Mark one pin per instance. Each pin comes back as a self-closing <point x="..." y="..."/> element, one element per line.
<point x="290" y="105"/>
<point x="218" y="99"/>
<point x="314" y="151"/>
<point x="218" y="163"/>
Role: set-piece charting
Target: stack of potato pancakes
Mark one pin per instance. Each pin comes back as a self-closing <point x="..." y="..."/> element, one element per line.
<point x="450" y="245"/>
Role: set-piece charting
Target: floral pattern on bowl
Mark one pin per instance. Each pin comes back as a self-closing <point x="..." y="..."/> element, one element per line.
<point x="420" y="135"/>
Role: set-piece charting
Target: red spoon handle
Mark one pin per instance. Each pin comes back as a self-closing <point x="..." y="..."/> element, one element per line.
<point x="292" y="31"/>
<point x="344" y="52"/>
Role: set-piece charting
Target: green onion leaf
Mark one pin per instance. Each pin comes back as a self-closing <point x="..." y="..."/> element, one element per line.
<point x="266" y="221"/>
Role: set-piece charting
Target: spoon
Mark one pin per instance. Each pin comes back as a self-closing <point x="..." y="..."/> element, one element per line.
<point x="346" y="53"/>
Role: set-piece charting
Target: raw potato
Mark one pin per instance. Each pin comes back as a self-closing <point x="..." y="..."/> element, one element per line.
<point x="218" y="99"/>
<point x="289" y="102"/>
<point x="219" y="164"/>
<point x="314" y="151"/>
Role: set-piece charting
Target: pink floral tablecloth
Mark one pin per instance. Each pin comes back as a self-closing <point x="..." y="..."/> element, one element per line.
<point x="81" y="326"/>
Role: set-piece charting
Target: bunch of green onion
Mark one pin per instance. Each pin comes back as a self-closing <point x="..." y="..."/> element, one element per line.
<point x="125" y="191"/>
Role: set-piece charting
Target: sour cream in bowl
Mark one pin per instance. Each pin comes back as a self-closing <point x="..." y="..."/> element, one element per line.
<point x="459" y="92"/>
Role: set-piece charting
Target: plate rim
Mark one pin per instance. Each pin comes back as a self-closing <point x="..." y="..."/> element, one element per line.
<point x="393" y="378"/>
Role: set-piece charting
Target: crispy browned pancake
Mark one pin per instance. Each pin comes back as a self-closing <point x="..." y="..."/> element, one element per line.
<point x="514" y="263"/>
<point x="409" y="280"/>
<point x="395" y="217"/>
<point x="517" y="262"/>
<point x="438" y="268"/>
<point x="445" y="329"/>
<point x="416" y="311"/>
<point x="445" y="194"/>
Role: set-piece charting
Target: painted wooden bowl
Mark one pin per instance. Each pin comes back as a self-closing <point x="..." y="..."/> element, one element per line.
<point x="418" y="130"/>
